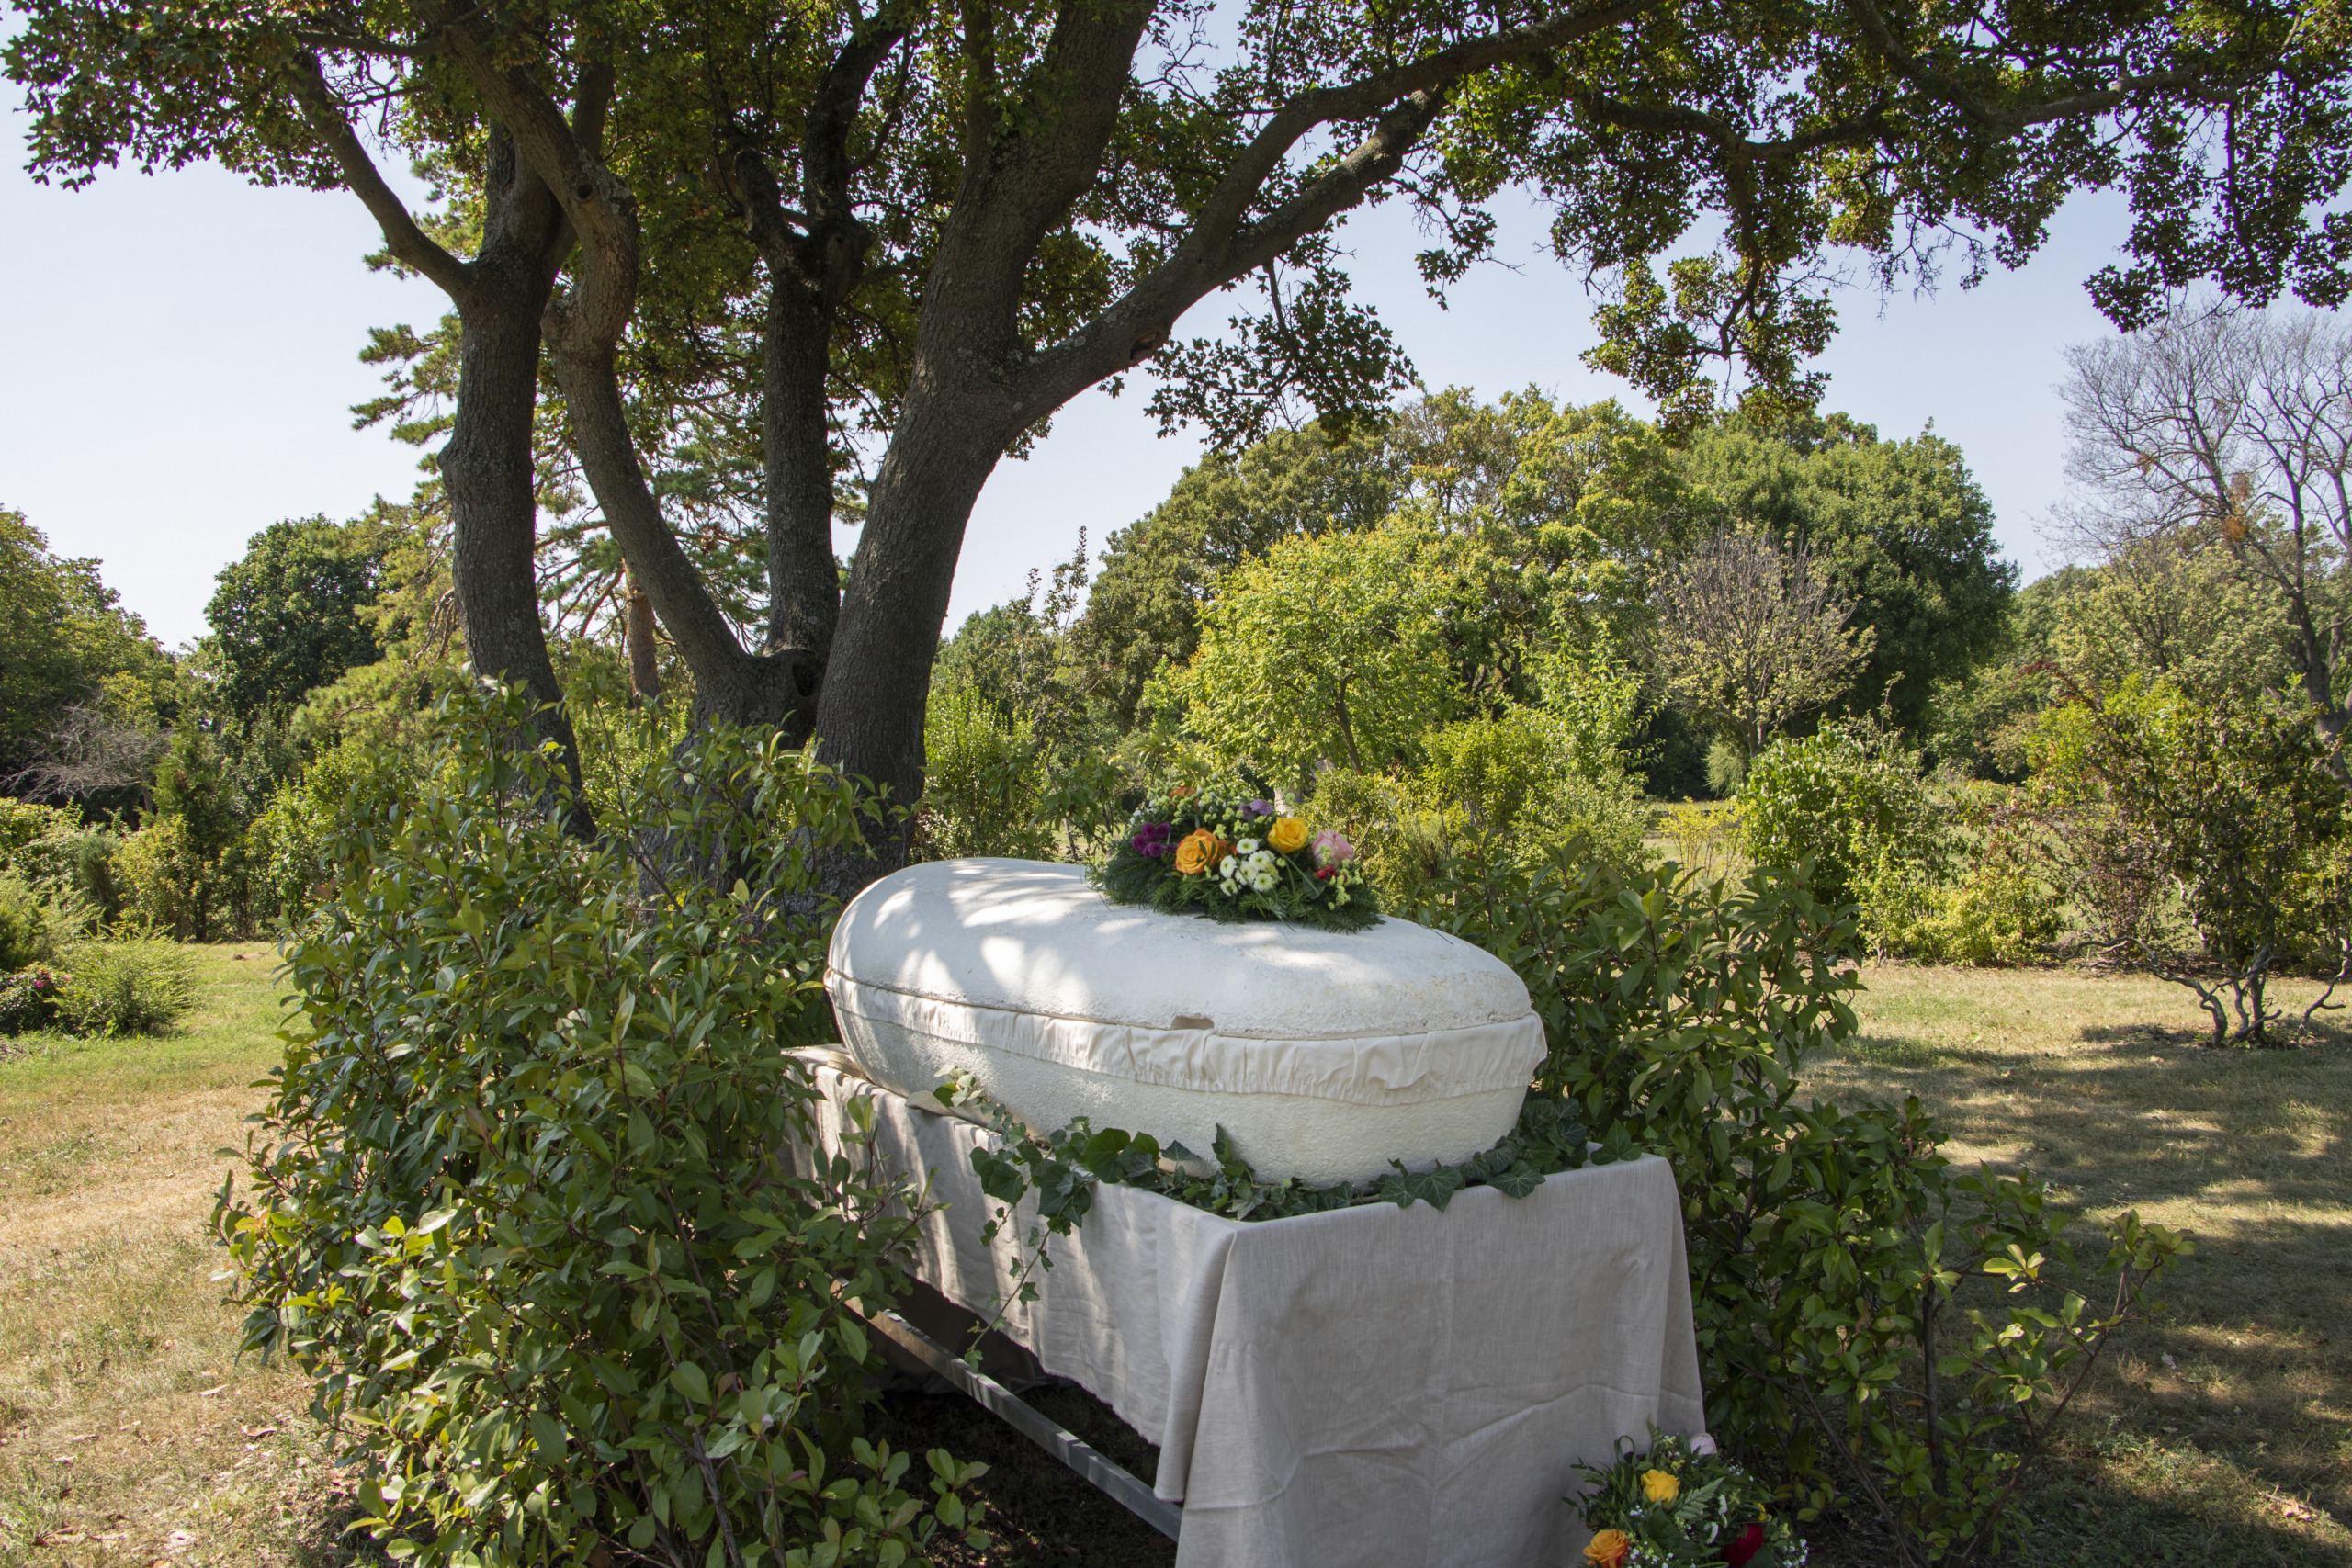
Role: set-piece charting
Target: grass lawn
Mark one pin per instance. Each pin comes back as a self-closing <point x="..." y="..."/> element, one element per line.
<point x="2222" y="1433"/>
<point x="129" y="1432"/>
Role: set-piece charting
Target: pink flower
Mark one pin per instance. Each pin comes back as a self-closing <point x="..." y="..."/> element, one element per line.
<point x="1331" y="848"/>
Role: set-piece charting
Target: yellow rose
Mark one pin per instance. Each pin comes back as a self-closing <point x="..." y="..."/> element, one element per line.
<point x="1609" y="1550"/>
<point x="1287" y="836"/>
<point x="1661" y="1486"/>
<point x="1200" y="851"/>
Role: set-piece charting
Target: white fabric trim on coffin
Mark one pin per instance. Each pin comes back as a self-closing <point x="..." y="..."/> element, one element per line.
<point x="1358" y="1070"/>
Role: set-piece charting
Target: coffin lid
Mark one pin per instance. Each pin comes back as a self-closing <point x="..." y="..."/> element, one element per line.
<point x="1029" y="937"/>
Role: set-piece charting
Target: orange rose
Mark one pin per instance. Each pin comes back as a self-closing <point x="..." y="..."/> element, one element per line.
<point x="1609" y="1550"/>
<point x="1287" y="836"/>
<point x="1200" y="851"/>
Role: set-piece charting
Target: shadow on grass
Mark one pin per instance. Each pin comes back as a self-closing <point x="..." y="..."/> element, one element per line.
<point x="2222" y="1418"/>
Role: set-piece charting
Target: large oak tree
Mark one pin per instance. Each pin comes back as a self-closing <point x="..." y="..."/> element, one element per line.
<point x="944" y="223"/>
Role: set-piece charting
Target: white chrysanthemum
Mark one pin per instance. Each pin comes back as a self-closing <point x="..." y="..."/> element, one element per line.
<point x="1227" y="867"/>
<point x="1248" y="845"/>
<point x="1264" y="882"/>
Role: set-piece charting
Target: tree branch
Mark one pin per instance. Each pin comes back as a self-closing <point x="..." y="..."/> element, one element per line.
<point x="1218" y="249"/>
<point x="1996" y="117"/>
<point x="402" y="236"/>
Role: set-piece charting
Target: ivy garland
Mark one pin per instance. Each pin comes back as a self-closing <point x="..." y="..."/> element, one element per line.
<point x="1063" y="1167"/>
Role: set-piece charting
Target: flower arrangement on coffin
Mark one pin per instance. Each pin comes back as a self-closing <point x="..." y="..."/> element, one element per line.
<point x="1682" y="1505"/>
<point x="1245" y="860"/>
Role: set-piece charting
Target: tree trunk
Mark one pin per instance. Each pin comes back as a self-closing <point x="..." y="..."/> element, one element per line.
<point x="870" y="718"/>
<point x="644" y="673"/>
<point x="804" y="585"/>
<point x="488" y="462"/>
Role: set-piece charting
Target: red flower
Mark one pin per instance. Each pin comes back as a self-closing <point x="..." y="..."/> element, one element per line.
<point x="1749" y="1542"/>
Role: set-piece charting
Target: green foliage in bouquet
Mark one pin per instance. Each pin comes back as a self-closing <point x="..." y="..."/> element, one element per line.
<point x="1676" y="1506"/>
<point x="1233" y="860"/>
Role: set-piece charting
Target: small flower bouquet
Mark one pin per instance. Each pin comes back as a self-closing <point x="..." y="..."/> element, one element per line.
<point x="1682" y="1505"/>
<point x="1245" y="860"/>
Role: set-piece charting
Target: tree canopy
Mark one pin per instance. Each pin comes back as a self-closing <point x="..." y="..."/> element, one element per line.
<point x="65" y="642"/>
<point x="939" y="224"/>
<point x="1898" y="529"/>
<point x="289" y="614"/>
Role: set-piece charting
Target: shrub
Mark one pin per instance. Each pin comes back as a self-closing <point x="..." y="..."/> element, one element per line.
<point x="77" y="863"/>
<point x="1998" y="912"/>
<point x="1848" y="799"/>
<point x="22" y="821"/>
<point x="28" y="999"/>
<point x="27" y="932"/>
<point x="289" y="849"/>
<point x="984" y="781"/>
<point x="2231" y="798"/>
<point x="1836" y="1260"/>
<point x="137" y="986"/>
<point x="522" y="1201"/>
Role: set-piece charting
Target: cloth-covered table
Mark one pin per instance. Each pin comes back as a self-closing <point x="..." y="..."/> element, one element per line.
<point x="1403" y="1388"/>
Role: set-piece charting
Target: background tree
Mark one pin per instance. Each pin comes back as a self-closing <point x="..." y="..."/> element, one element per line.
<point x="1544" y="506"/>
<point x="1326" y="651"/>
<point x="73" y="663"/>
<point x="2228" y="433"/>
<point x="1037" y="195"/>
<point x="1749" y="636"/>
<point x="2233" y="798"/>
<point x="1159" y="571"/>
<point x="1899" y="529"/>
<point x="291" y="615"/>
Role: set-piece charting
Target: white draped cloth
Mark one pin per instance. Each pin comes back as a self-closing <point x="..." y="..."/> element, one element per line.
<point x="1392" y="1388"/>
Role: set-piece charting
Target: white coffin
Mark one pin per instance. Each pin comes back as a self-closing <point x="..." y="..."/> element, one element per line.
<point x="1324" y="1056"/>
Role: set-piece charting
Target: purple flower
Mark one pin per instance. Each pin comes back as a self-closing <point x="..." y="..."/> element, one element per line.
<point x="1259" y="808"/>
<point x="1151" y="840"/>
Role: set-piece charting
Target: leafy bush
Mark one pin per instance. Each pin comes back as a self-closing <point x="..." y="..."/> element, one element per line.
<point x="1999" y="911"/>
<point x="136" y="985"/>
<point x="77" y="863"/>
<point x="22" y="821"/>
<point x="2230" y="798"/>
<point x="184" y="871"/>
<point x="522" y="1201"/>
<point x="28" y="999"/>
<point x="984" y="781"/>
<point x="1837" y="1262"/>
<point x="28" y="933"/>
<point x="290" y="850"/>
<point x="1848" y="799"/>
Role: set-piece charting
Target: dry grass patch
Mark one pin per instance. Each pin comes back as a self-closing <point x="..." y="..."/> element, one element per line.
<point x="129" y="1432"/>
<point x="2223" y="1431"/>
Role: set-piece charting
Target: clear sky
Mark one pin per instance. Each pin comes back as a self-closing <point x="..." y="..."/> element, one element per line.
<point x="180" y="356"/>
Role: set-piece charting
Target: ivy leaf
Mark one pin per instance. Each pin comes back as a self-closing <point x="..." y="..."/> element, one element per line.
<point x="1001" y="1178"/>
<point x="1519" y="1181"/>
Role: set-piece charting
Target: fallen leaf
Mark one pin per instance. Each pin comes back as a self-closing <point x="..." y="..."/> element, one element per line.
<point x="54" y="1538"/>
<point x="258" y="1433"/>
<point x="208" y="1392"/>
<point x="178" y="1538"/>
